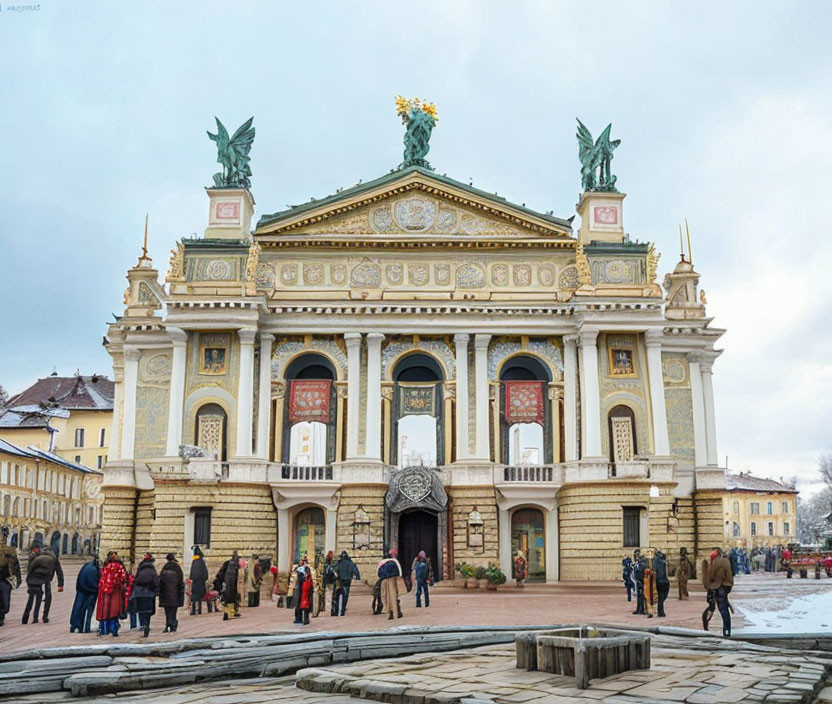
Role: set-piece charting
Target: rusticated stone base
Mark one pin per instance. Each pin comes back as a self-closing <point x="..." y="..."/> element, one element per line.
<point x="118" y="521"/>
<point x="463" y="500"/>
<point x="370" y="499"/>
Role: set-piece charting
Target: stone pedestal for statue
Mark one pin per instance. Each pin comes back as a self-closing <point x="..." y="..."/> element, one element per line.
<point x="601" y="217"/>
<point x="229" y="213"/>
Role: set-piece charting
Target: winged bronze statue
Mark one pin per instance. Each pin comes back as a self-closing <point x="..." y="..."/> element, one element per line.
<point x="232" y="153"/>
<point x="596" y="156"/>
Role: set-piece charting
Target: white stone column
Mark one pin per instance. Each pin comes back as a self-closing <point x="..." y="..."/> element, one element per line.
<point x="245" y="393"/>
<point x="504" y="528"/>
<point x="591" y="394"/>
<point x="481" y="395"/>
<point x="706" y="367"/>
<point x="264" y="396"/>
<point x="373" y="420"/>
<point x="461" y="345"/>
<point x="114" y="447"/>
<point x="132" y="355"/>
<point x="552" y="572"/>
<point x="700" y="442"/>
<point x="661" y="440"/>
<point x="570" y="405"/>
<point x="353" y="341"/>
<point x="284" y="559"/>
<point x="331" y="519"/>
<point x="179" y="340"/>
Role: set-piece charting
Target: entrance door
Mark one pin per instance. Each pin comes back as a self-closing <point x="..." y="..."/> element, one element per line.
<point x="528" y="536"/>
<point x="310" y="533"/>
<point x="419" y="530"/>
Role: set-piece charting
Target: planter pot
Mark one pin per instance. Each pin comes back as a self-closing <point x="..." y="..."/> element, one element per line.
<point x="471" y="583"/>
<point x="491" y="587"/>
<point x="483" y="583"/>
<point x="459" y="583"/>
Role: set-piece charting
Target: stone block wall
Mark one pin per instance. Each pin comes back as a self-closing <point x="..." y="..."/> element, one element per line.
<point x="371" y="499"/>
<point x="117" y="522"/>
<point x="669" y="533"/>
<point x="144" y="521"/>
<point x="710" y="526"/>
<point x="463" y="500"/>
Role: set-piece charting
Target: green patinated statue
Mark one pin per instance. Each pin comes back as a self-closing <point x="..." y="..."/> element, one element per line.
<point x="596" y="156"/>
<point x="420" y="118"/>
<point x="232" y="153"/>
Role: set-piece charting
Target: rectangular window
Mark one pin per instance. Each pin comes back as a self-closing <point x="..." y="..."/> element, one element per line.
<point x="79" y="437"/>
<point x="770" y="508"/>
<point x="101" y="435"/>
<point x="100" y="461"/>
<point x="753" y="528"/>
<point x="632" y="516"/>
<point x="202" y="527"/>
<point x="755" y="508"/>
<point x="770" y="528"/>
<point x="785" y="507"/>
<point x="786" y="528"/>
<point x="77" y="459"/>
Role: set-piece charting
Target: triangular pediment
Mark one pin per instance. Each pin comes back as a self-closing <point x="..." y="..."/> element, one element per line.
<point x="411" y="205"/>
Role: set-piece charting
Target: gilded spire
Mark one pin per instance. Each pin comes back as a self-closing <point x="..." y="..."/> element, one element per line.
<point x="144" y="260"/>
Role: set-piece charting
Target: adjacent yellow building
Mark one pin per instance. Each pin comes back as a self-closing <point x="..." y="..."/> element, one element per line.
<point x="759" y="512"/>
<point x="43" y="497"/>
<point x="71" y="416"/>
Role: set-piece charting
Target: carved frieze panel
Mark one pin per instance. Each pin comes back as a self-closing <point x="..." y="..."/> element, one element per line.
<point x="569" y="278"/>
<point x="213" y="268"/>
<point x="365" y="275"/>
<point x="470" y="276"/>
<point x="606" y="270"/>
<point x="675" y="370"/>
<point x="313" y="274"/>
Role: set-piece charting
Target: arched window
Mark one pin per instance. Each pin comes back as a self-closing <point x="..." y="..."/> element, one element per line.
<point x="736" y="529"/>
<point x="417" y="427"/>
<point x="16" y="507"/>
<point x="525" y="425"/>
<point x="622" y="434"/>
<point x="309" y="417"/>
<point x="211" y="430"/>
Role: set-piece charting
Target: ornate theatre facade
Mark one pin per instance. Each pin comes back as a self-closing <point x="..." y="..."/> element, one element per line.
<point x="413" y="362"/>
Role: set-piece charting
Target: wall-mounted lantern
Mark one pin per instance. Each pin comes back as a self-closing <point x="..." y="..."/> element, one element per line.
<point x="476" y="530"/>
<point x="361" y="530"/>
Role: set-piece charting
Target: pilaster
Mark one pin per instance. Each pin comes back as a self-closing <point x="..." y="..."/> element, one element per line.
<point x="661" y="440"/>
<point x="570" y="406"/>
<point x="706" y="367"/>
<point x="179" y="342"/>
<point x="697" y="394"/>
<point x="245" y="393"/>
<point x="461" y="345"/>
<point x="373" y="422"/>
<point x="481" y="396"/>
<point x="590" y="394"/>
<point x="353" y="342"/>
<point x="132" y="355"/>
<point x="264" y="396"/>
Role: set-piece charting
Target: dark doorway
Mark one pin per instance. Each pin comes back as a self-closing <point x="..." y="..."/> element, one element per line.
<point x="419" y="530"/>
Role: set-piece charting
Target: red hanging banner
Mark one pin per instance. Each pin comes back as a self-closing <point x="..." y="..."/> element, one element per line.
<point x="309" y="400"/>
<point x="524" y="402"/>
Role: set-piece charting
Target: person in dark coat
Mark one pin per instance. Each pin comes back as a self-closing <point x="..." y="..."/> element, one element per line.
<point x="86" y="592"/>
<point x="43" y="565"/>
<point x="423" y="576"/>
<point x="9" y="569"/>
<point x="662" y="581"/>
<point x="171" y="591"/>
<point x="198" y="577"/>
<point x="683" y="573"/>
<point x="144" y="591"/>
<point x="345" y="571"/>
<point x="639" y="566"/>
<point x="227" y="576"/>
<point x="626" y="570"/>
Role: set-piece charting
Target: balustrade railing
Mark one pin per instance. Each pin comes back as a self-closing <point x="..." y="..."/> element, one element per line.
<point x="531" y="473"/>
<point x="306" y="473"/>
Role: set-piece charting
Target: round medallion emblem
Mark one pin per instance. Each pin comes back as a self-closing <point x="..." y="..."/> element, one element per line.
<point x="415" y="485"/>
<point x="414" y="213"/>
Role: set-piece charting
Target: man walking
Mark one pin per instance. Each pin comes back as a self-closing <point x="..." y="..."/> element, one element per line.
<point x="718" y="580"/>
<point x="392" y="584"/>
<point x="662" y="581"/>
<point x="683" y="573"/>
<point x="9" y="569"/>
<point x="86" y="592"/>
<point x="43" y="565"/>
<point x="626" y="576"/>
<point x="423" y="573"/>
<point x="345" y="571"/>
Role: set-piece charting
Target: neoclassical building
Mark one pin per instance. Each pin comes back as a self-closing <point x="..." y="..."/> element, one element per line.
<point x="414" y="362"/>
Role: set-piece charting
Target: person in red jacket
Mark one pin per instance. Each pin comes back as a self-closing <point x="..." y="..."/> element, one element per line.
<point x="305" y="591"/>
<point x="112" y="595"/>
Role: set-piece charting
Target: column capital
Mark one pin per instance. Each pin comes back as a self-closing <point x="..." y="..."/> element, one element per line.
<point x="571" y="339"/>
<point x="177" y="336"/>
<point x="461" y="338"/>
<point x="653" y="337"/>
<point x="706" y="366"/>
<point x="375" y="337"/>
<point x="588" y="338"/>
<point x="696" y="357"/>
<point x="132" y="354"/>
<point x="481" y="341"/>
<point x="266" y="337"/>
<point x="247" y="335"/>
<point x="353" y="339"/>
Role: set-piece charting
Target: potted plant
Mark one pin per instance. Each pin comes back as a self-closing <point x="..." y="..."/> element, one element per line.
<point x="479" y="575"/>
<point x="467" y="573"/>
<point x="459" y="579"/>
<point x="495" y="577"/>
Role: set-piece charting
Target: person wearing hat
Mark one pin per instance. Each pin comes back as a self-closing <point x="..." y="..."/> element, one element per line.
<point x="227" y="582"/>
<point x="86" y="592"/>
<point x="144" y="591"/>
<point x="171" y="591"/>
<point x="198" y="577"/>
<point x="112" y="595"/>
<point x="345" y="571"/>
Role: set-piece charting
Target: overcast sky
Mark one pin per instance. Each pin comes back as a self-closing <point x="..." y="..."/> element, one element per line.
<point x="723" y="110"/>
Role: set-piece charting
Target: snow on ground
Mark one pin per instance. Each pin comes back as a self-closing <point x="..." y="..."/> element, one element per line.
<point x="801" y="609"/>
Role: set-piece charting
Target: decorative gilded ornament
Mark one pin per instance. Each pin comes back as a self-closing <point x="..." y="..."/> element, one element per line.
<point x="176" y="269"/>
<point x="582" y="263"/>
<point x="419" y="118"/>
<point x="652" y="264"/>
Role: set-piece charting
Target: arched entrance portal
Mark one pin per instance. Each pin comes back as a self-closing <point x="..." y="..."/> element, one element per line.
<point x="528" y="535"/>
<point x="418" y="530"/>
<point x="309" y="534"/>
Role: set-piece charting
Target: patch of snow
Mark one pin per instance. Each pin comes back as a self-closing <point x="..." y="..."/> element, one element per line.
<point x="811" y="613"/>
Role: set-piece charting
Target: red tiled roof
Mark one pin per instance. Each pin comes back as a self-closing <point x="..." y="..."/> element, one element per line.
<point x="70" y="392"/>
<point x="745" y="482"/>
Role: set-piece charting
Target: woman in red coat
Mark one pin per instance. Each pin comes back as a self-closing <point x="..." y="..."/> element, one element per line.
<point x="305" y="593"/>
<point x="112" y="595"/>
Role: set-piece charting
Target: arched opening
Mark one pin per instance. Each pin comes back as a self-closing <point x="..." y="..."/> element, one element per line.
<point x="13" y="541"/>
<point x="736" y="529"/>
<point x="622" y="434"/>
<point x="309" y="534"/>
<point x="309" y="420"/>
<point x="76" y="544"/>
<point x="528" y="535"/>
<point x="65" y="544"/>
<point x="38" y="537"/>
<point x="211" y="430"/>
<point x="525" y="416"/>
<point x="55" y="542"/>
<point x="419" y="530"/>
<point x="417" y="427"/>
<point x="7" y="505"/>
